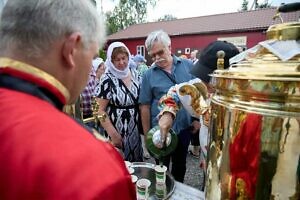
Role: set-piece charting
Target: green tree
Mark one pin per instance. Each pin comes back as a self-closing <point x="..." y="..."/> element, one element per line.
<point x="167" y="17"/>
<point x="266" y="4"/>
<point x="244" y="5"/>
<point x="255" y="5"/>
<point x="102" y="54"/>
<point x="126" y="13"/>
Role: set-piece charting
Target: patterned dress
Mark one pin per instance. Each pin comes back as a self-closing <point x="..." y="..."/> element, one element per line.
<point x="123" y="111"/>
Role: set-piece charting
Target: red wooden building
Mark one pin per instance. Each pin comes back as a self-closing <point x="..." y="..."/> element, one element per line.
<point x="244" y="29"/>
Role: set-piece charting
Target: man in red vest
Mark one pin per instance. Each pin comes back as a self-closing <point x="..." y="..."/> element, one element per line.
<point x="46" y="52"/>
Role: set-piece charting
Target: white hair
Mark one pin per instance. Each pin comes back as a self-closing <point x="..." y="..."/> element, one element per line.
<point x="157" y="36"/>
<point x="32" y="26"/>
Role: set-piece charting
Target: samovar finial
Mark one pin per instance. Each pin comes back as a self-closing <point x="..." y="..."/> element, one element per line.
<point x="220" y="61"/>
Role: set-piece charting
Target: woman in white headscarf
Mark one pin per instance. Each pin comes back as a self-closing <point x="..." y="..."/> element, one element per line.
<point x="118" y="100"/>
<point x="99" y="68"/>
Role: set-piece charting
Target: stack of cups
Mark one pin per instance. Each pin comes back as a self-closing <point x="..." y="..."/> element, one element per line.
<point x="160" y="174"/>
<point x="128" y="164"/>
<point x="131" y="171"/>
<point x="143" y="186"/>
<point x="160" y="191"/>
<point x="134" y="178"/>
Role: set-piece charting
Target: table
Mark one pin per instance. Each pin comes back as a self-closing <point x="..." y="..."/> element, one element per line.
<point x="185" y="192"/>
<point x="176" y="190"/>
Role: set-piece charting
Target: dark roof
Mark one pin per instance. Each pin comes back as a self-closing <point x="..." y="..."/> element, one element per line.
<point x="229" y="22"/>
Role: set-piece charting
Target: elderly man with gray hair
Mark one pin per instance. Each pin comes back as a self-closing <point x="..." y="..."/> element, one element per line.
<point x="166" y="71"/>
<point x="46" y="52"/>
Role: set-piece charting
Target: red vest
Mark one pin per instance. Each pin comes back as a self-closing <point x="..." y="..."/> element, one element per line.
<point x="45" y="154"/>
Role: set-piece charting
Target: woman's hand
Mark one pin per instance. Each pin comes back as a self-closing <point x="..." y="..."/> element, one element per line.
<point x="116" y="140"/>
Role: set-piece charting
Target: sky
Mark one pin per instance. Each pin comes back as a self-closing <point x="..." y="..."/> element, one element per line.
<point x="193" y="8"/>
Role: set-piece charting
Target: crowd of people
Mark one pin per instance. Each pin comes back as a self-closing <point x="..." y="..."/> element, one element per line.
<point x="43" y="149"/>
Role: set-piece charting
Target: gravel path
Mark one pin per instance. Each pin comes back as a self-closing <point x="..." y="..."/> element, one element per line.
<point x="194" y="174"/>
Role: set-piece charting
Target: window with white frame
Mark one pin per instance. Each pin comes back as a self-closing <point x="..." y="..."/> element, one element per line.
<point x="140" y="49"/>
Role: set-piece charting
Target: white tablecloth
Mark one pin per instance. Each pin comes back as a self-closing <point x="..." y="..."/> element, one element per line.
<point x="185" y="192"/>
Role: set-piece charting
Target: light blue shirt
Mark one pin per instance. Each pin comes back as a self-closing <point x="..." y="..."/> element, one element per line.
<point x="156" y="83"/>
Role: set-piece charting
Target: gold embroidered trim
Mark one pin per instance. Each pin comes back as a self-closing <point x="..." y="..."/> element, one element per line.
<point x="23" y="67"/>
<point x="241" y="190"/>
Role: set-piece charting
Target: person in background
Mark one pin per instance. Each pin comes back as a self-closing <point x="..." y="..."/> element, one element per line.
<point x="46" y="52"/>
<point x="141" y="64"/>
<point x="140" y="61"/>
<point x="206" y="65"/>
<point x="91" y="90"/>
<point x="118" y="101"/>
<point x="86" y="97"/>
<point x="194" y="148"/>
<point x="193" y="57"/>
<point x="132" y="64"/>
<point x="166" y="71"/>
<point x="99" y="68"/>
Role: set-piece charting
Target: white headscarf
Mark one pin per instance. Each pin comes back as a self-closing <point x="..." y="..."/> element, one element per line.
<point x="120" y="74"/>
<point x="97" y="62"/>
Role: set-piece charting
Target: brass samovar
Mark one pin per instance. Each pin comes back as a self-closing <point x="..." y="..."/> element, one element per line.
<point x="254" y="144"/>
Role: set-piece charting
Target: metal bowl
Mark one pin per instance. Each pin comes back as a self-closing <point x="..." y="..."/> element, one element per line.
<point x="146" y="170"/>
